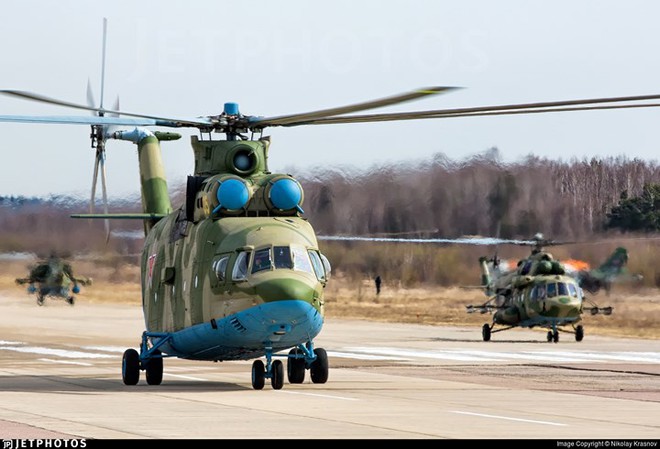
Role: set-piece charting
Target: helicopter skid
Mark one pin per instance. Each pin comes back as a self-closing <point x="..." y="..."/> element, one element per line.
<point x="244" y="335"/>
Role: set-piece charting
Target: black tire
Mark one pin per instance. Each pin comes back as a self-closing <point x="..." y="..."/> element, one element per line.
<point x="40" y="300"/>
<point x="71" y="300"/>
<point x="485" y="332"/>
<point x="258" y="375"/>
<point x="130" y="367"/>
<point x="277" y="379"/>
<point x="319" y="369"/>
<point x="154" y="369"/>
<point x="295" y="368"/>
<point x="555" y="336"/>
<point x="549" y="336"/>
<point x="579" y="333"/>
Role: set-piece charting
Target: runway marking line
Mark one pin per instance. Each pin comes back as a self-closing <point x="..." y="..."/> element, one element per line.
<point x="320" y="395"/>
<point x="185" y="377"/>
<point x="66" y="362"/>
<point x="508" y="418"/>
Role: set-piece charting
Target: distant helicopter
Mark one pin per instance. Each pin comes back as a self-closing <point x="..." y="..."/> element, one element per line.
<point x="611" y="271"/>
<point x="537" y="293"/>
<point x="53" y="278"/>
<point x="235" y="273"/>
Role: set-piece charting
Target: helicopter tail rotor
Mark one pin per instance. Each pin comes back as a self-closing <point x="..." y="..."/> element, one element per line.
<point x="98" y="136"/>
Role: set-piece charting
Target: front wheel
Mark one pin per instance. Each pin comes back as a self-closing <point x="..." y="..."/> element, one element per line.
<point x="485" y="332"/>
<point x="277" y="379"/>
<point x="258" y="375"/>
<point x="579" y="333"/>
<point x="320" y="369"/>
<point x="295" y="367"/>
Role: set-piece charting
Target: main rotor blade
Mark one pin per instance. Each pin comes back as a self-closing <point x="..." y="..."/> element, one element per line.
<point x="462" y="241"/>
<point x="90" y="95"/>
<point x="83" y="120"/>
<point x="159" y="121"/>
<point x="284" y="120"/>
<point x="524" y="108"/>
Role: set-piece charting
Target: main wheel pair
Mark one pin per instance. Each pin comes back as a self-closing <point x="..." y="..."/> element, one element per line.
<point x="131" y="366"/>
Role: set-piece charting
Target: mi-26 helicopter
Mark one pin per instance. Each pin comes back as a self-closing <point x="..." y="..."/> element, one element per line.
<point x="539" y="292"/>
<point x="235" y="273"/>
<point x="53" y="278"/>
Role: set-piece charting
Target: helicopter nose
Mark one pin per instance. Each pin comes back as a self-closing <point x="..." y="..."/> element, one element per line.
<point x="563" y="307"/>
<point x="280" y="289"/>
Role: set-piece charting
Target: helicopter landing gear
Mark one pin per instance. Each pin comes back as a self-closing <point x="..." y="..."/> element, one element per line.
<point x="130" y="367"/>
<point x="154" y="368"/>
<point x="70" y="300"/>
<point x="549" y="336"/>
<point x="579" y="333"/>
<point x="307" y="357"/>
<point x="299" y="359"/>
<point x="40" y="300"/>
<point x="149" y="359"/>
<point x="553" y="335"/>
<point x="274" y="370"/>
<point x="319" y="368"/>
<point x="485" y="332"/>
<point x="295" y="366"/>
<point x="258" y="375"/>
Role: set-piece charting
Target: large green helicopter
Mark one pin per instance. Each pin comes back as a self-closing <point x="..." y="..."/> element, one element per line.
<point x="236" y="272"/>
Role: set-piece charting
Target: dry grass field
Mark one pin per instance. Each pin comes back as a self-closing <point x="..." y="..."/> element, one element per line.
<point x="636" y="311"/>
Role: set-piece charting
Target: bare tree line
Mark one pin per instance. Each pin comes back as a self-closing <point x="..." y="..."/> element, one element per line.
<point x="479" y="196"/>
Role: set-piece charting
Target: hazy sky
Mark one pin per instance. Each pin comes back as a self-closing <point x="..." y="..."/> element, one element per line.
<point x="183" y="59"/>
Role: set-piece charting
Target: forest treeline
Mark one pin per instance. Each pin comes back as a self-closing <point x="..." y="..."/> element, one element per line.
<point x="578" y="199"/>
<point x="570" y="199"/>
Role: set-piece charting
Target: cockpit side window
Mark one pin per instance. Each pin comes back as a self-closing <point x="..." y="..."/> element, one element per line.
<point x="220" y="268"/>
<point x="573" y="290"/>
<point x="282" y="257"/>
<point x="525" y="269"/>
<point x="239" y="273"/>
<point x="326" y="266"/>
<point x="317" y="264"/>
<point x="540" y="291"/>
<point x="261" y="260"/>
<point x="551" y="288"/>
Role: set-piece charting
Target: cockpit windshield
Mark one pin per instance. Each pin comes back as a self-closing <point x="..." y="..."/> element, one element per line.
<point x="296" y="258"/>
<point x="282" y="257"/>
<point x="561" y="289"/>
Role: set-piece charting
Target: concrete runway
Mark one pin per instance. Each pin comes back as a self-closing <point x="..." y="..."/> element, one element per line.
<point x="60" y="376"/>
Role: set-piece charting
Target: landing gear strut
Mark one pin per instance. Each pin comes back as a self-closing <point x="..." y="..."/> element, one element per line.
<point x="149" y="359"/>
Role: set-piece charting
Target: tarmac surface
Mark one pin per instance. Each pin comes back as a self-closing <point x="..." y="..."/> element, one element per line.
<point x="60" y="377"/>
